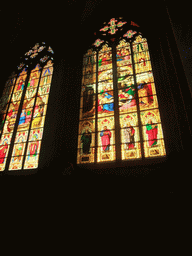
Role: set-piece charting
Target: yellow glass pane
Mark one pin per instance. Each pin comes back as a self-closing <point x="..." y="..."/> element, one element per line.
<point x="10" y="122"/>
<point x="17" y="156"/>
<point x="141" y="56"/>
<point x="150" y="116"/>
<point x="106" y="65"/>
<point x="154" y="148"/>
<point x="106" y="121"/>
<point x="143" y="66"/>
<point x="44" y="89"/>
<point x="36" y="134"/>
<point x="105" y="86"/>
<point x="106" y="75"/>
<point x="140" y="44"/>
<point x="149" y="102"/>
<point x="84" y="156"/>
<point x="84" y="115"/>
<point x="88" y="124"/>
<point x="30" y="92"/>
<point x="35" y="73"/>
<point x="47" y="71"/>
<point x="146" y="77"/>
<point x="124" y="45"/>
<point x="130" y="119"/>
<point x="46" y="79"/>
<point x="105" y="154"/>
<point x="21" y="137"/>
<point x="31" y="161"/>
<point x="38" y="121"/>
<point x="124" y="72"/>
<point x="130" y="150"/>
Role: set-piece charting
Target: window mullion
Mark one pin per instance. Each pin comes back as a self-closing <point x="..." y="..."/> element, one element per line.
<point x="96" y="110"/>
<point x="137" y="102"/>
<point x="116" y="105"/>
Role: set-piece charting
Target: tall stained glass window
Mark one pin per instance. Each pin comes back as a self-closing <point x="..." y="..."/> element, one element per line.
<point x="23" y="109"/>
<point x="119" y="114"/>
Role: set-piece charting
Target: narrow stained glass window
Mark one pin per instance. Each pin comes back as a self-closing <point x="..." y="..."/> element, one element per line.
<point x="23" y="108"/>
<point x="119" y="111"/>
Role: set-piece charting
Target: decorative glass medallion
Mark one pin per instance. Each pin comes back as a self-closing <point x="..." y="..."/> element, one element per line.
<point x="129" y="34"/>
<point x="98" y="42"/>
<point x="112" y="26"/>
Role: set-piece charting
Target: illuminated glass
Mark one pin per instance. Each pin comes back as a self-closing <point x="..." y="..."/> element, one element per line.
<point x="118" y="83"/>
<point x="27" y="128"/>
<point x="37" y="119"/>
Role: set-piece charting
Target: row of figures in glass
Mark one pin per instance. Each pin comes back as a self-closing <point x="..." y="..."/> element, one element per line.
<point x="106" y="148"/>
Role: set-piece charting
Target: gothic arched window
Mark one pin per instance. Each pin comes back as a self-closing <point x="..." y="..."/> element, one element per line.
<point x="23" y="109"/>
<point x="119" y="112"/>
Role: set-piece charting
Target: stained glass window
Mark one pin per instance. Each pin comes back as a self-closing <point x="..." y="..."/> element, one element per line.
<point x="23" y="109"/>
<point x="119" y="111"/>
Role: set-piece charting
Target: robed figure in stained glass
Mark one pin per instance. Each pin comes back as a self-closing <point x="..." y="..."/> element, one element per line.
<point x="3" y="151"/>
<point x="151" y="131"/>
<point x="88" y="108"/>
<point x="105" y="138"/>
<point x="22" y="117"/>
<point x="144" y="92"/>
<point x="129" y="133"/>
<point x="105" y="102"/>
<point x="127" y="97"/>
<point x="86" y="141"/>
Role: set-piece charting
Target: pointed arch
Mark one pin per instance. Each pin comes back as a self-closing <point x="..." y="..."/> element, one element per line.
<point x="23" y="110"/>
<point x="126" y="117"/>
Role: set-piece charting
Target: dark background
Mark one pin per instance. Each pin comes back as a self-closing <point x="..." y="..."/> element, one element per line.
<point x="69" y="29"/>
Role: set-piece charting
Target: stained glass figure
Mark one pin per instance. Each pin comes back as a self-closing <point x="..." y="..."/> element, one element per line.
<point x="86" y="141"/>
<point x="106" y="140"/>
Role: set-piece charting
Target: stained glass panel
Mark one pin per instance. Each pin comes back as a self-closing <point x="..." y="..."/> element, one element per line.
<point x="86" y="141"/>
<point x="89" y="68"/>
<point x="17" y="156"/>
<point x="4" y="149"/>
<point x="139" y="119"/>
<point x="106" y="139"/>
